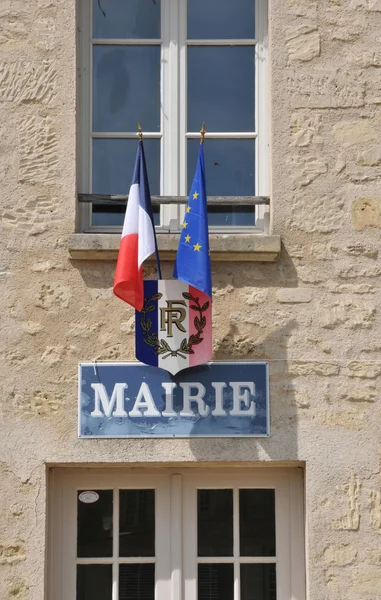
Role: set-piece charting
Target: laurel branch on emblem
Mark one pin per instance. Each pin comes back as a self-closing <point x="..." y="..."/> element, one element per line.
<point x="162" y="347"/>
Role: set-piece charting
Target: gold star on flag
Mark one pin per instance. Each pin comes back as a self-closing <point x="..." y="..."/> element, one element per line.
<point x="187" y="238"/>
<point x="197" y="247"/>
<point x="185" y="224"/>
<point x="188" y="209"/>
<point x="195" y="195"/>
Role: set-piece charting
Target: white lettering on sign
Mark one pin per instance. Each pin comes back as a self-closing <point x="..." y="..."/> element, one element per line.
<point x="169" y="386"/>
<point x="101" y="398"/>
<point x="241" y="393"/>
<point x="144" y="402"/>
<point x="203" y="409"/>
<point x="240" y="398"/>
<point x="219" y="411"/>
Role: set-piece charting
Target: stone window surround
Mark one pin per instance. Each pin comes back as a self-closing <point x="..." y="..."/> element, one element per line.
<point x="248" y="245"/>
<point x="224" y="247"/>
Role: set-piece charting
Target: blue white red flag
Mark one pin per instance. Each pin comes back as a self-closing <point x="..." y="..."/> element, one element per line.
<point x="193" y="259"/>
<point x="138" y="240"/>
<point x="174" y="328"/>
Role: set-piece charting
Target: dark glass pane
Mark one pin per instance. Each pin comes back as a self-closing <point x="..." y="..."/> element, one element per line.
<point x="126" y="87"/>
<point x="137" y="582"/>
<point x="137" y="523"/>
<point x="133" y="19"/>
<point x="215" y="522"/>
<point x="94" y="582"/>
<point x="94" y="526"/>
<point x="229" y="166"/>
<point x="215" y="582"/>
<point x="113" y="165"/>
<point x="213" y="19"/>
<point x="258" y="582"/>
<point x="237" y="215"/>
<point x="257" y="522"/>
<point x="108" y="215"/>
<point x="221" y="88"/>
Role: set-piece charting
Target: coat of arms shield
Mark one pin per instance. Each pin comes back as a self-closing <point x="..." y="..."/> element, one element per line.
<point x="173" y="330"/>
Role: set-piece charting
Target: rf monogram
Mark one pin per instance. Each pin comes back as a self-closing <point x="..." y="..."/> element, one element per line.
<point x="172" y="314"/>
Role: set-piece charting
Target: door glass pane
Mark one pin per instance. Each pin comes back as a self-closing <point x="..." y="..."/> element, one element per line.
<point x="221" y="88"/>
<point x="126" y="87"/>
<point x="94" y="526"/>
<point x="215" y="582"/>
<point x="258" y="582"/>
<point x="257" y="522"/>
<point x="213" y="19"/>
<point x="94" y="582"/>
<point x="137" y="523"/>
<point x="121" y="19"/>
<point x="113" y="165"/>
<point x="215" y="522"/>
<point x="229" y="166"/>
<point x="137" y="582"/>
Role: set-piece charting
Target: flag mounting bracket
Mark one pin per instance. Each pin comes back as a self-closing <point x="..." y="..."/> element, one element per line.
<point x="202" y="131"/>
<point x="140" y="132"/>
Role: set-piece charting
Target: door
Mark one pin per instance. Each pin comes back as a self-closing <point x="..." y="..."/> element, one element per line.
<point x="192" y="534"/>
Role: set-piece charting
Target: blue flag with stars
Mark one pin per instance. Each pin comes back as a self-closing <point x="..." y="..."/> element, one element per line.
<point x="193" y="258"/>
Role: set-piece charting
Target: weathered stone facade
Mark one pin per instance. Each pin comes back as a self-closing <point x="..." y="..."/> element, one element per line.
<point x="314" y="314"/>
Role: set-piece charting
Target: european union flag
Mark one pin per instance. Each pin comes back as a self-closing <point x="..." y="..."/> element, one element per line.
<point x="193" y="259"/>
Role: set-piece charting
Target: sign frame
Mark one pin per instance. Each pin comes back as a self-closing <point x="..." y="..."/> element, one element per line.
<point x="95" y="364"/>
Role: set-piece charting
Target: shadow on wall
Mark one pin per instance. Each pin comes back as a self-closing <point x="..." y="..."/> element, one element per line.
<point x="97" y="274"/>
<point x="283" y="441"/>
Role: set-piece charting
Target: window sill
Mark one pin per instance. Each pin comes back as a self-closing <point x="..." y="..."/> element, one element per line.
<point x="224" y="247"/>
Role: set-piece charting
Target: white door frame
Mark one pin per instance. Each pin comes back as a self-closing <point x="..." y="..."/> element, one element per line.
<point x="176" y="525"/>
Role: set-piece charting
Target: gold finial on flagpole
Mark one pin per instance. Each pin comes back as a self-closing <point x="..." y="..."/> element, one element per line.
<point x="140" y="131"/>
<point x="203" y="131"/>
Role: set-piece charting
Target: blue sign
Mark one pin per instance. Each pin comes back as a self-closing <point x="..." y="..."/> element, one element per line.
<point x="218" y="399"/>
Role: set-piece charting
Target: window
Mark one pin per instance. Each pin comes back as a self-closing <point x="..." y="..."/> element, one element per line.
<point x="177" y="535"/>
<point x="173" y="64"/>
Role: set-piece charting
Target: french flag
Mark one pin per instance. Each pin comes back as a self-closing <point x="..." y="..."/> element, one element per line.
<point x="138" y="240"/>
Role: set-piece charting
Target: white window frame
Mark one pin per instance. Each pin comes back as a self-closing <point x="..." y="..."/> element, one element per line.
<point x="173" y="132"/>
<point x="176" y="525"/>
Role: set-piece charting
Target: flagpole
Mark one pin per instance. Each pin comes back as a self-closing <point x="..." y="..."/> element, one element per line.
<point x="140" y="133"/>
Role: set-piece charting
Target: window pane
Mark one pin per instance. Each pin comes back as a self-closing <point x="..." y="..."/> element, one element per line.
<point x="137" y="523"/>
<point x="122" y="19"/>
<point x="257" y="522"/>
<point x="215" y="582"/>
<point x="94" y="526"/>
<point x="258" y="582"/>
<point x="105" y="215"/>
<point x="215" y="522"/>
<point x="229" y="166"/>
<point x="237" y="216"/>
<point x="213" y="19"/>
<point x="113" y="165"/>
<point x="137" y="582"/>
<point x="126" y="87"/>
<point x="94" y="582"/>
<point x="221" y="88"/>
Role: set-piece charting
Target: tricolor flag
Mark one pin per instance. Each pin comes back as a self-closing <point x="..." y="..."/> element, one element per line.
<point x="193" y="259"/>
<point x="138" y="240"/>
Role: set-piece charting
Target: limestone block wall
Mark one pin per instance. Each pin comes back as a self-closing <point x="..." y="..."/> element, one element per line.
<point x="315" y="314"/>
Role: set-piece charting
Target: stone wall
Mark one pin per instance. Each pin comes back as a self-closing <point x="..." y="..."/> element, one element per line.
<point x="314" y="315"/>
